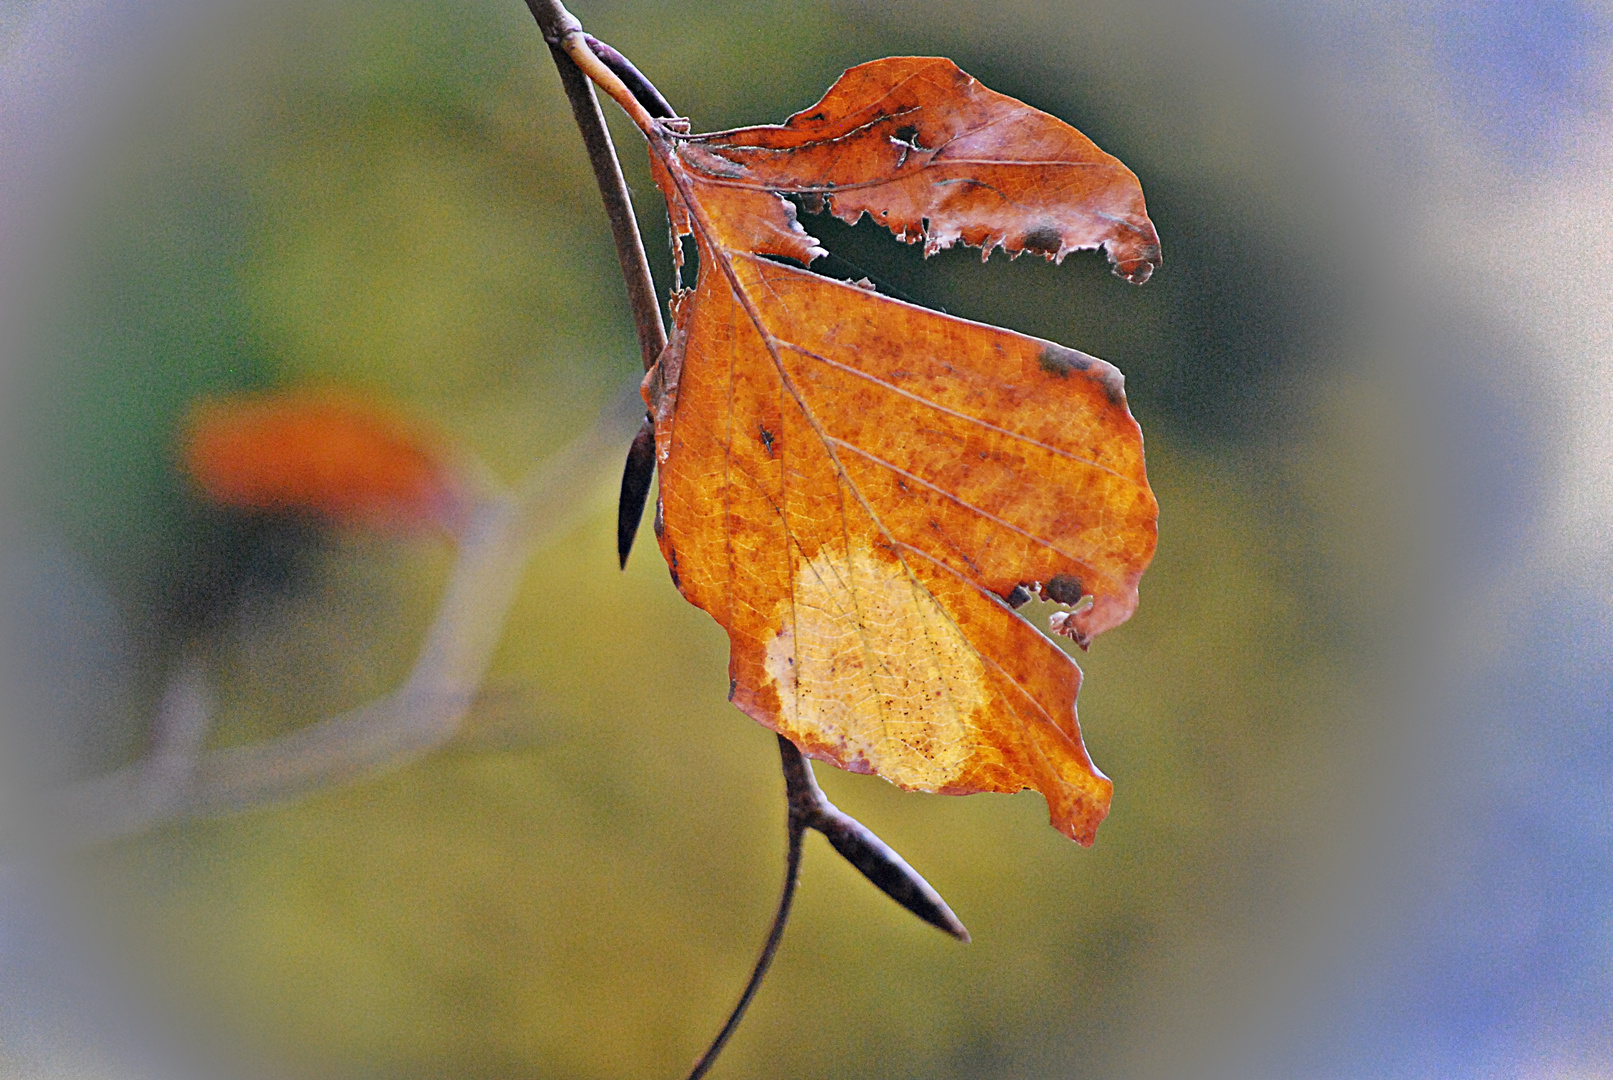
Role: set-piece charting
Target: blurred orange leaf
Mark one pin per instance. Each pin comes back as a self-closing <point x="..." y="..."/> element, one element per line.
<point x="339" y="457"/>
<point x="859" y="490"/>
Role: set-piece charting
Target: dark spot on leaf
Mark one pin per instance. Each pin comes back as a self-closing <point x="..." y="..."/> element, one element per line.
<point x="1057" y="360"/>
<point x="1114" y="384"/>
<point x="907" y="133"/>
<point x="660" y="522"/>
<point x="733" y="684"/>
<point x="811" y="201"/>
<point x="672" y="567"/>
<point x="1044" y="240"/>
<point x="767" y="441"/>
<point x="1064" y="589"/>
<point x="1018" y="597"/>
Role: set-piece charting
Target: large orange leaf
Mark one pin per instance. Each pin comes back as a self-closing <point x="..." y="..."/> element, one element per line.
<point x="858" y="489"/>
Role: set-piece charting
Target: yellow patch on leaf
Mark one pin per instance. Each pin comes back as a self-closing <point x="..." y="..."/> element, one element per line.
<point x="865" y="653"/>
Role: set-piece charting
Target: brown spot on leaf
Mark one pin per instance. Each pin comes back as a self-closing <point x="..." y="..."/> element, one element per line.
<point x="1057" y="360"/>
<point x="1063" y="589"/>
<point x="1044" y="240"/>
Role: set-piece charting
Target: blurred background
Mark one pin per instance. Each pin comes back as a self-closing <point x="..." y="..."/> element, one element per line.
<point x="1359" y="727"/>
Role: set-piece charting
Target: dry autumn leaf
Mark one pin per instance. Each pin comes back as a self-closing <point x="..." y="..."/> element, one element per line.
<point x="859" y="490"/>
<point x="341" y="458"/>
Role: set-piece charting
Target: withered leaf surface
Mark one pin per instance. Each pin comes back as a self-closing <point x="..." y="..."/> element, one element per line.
<point x="932" y="155"/>
<point x="856" y="488"/>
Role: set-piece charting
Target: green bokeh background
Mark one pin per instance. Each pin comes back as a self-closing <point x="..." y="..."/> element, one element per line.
<point x="392" y="198"/>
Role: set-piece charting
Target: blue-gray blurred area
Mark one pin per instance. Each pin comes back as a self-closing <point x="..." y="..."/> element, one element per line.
<point x="1361" y="727"/>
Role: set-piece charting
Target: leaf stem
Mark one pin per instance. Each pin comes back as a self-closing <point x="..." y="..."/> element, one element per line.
<point x="640" y="87"/>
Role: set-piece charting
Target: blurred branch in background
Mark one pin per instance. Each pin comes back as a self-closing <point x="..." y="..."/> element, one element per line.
<point x="503" y="530"/>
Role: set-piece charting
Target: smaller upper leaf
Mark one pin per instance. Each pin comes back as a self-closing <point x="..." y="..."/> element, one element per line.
<point x="931" y="154"/>
<point x="337" y="457"/>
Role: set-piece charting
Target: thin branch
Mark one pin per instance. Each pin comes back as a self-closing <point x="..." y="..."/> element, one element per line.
<point x="797" y="776"/>
<point x="809" y="808"/>
<point x="177" y="780"/>
<point x="570" y="48"/>
<point x="560" y="30"/>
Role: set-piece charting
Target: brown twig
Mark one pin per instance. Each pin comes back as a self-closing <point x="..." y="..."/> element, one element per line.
<point x="560" y="29"/>
<point x="570" y="47"/>
<point x="797" y="782"/>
